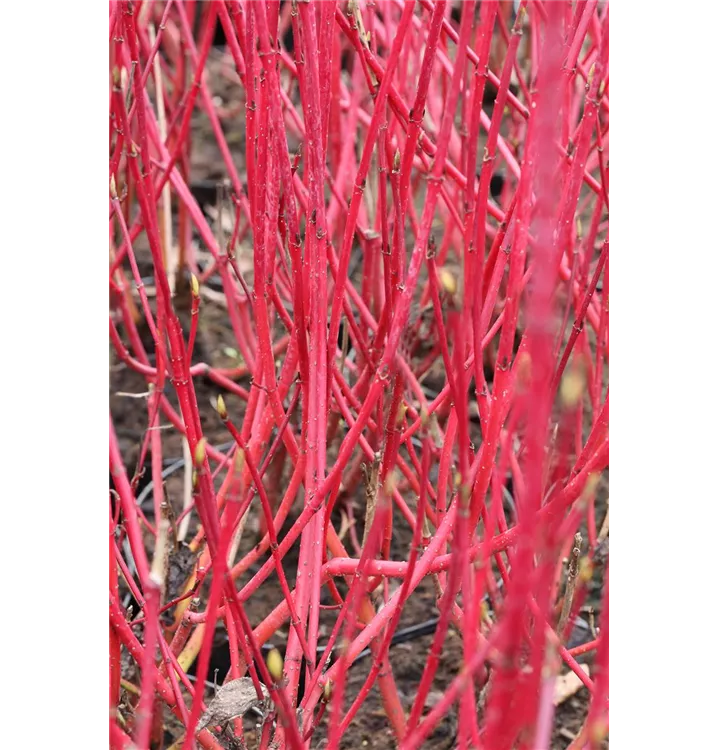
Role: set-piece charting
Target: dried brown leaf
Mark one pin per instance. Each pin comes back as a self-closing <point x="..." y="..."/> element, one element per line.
<point x="233" y="699"/>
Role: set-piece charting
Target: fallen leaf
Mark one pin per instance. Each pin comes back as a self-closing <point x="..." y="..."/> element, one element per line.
<point x="567" y="685"/>
<point x="233" y="699"/>
<point x="433" y="698"/>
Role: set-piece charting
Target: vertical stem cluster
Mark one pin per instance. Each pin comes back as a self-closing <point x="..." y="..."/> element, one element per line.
<point x="413" y="277"/>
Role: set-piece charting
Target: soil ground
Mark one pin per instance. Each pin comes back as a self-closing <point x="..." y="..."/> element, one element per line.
<point x="370" y="728"/>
